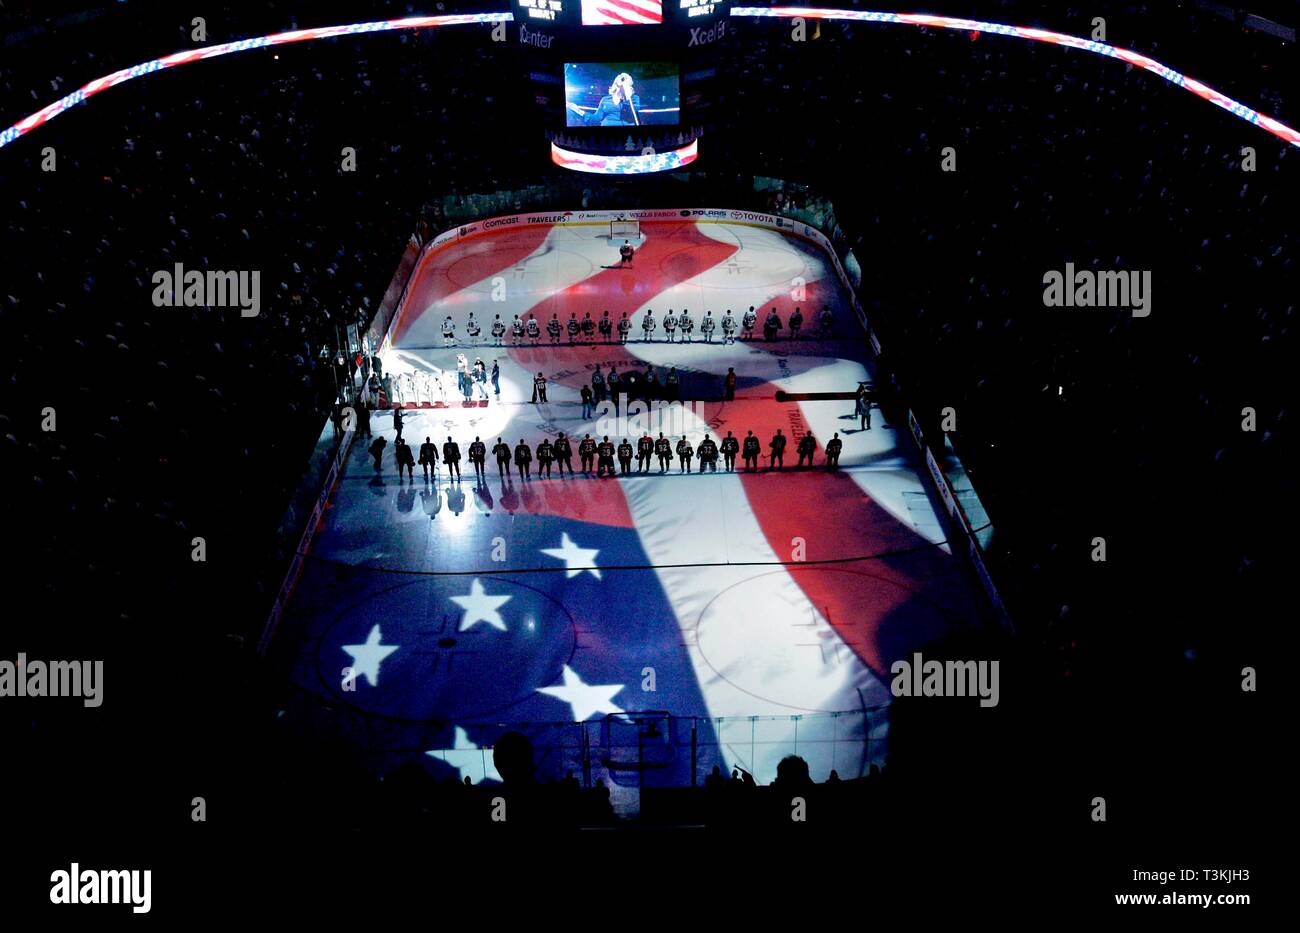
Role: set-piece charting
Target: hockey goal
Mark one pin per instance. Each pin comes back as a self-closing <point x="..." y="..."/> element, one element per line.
<point x="625" y="228"/>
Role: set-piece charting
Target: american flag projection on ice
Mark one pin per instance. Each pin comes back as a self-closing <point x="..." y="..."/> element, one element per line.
<point x="762" y="610"/>
<point x="622" y="12"/>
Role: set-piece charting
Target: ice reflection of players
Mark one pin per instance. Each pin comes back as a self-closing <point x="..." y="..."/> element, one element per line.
<point x="620" y="107"/>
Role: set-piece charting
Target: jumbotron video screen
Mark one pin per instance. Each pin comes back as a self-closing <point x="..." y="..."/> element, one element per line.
<point x="622" y="94"/>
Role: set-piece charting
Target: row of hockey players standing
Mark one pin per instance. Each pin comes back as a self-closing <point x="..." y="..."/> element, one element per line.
<point x="674" y="324"/>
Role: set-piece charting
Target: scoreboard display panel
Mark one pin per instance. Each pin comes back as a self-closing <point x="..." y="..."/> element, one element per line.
<point x="542" y="11"/>
<point x="622" y="12"/>
<point x="576" y="14"/>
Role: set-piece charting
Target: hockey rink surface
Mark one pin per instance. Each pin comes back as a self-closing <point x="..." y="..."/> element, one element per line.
<point x="763" y="609"/>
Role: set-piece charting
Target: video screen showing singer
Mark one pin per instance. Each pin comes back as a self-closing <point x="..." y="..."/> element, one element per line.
<point x="623" y="102"/>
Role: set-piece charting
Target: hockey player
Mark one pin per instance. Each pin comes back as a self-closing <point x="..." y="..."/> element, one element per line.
<point x="534" y="330"/>
<point x="625" y="254"/>
<point x="588" y="329"/>
<point x="523" y="460"/>
<point x="833" y="448"/>
<point x="516" y="330"/>
<point x="728" y="327"/>
<point x="670" y="325"/>
<point x="751" y="451"/>
<point x="574" y="327"/>
<point x="777" y="446"/>
<point x="729" y="385"/>
<point x="597" y="386"/>
<point x="686" y="324"/>
<point x="645" y="448"/>
<point x="451" y="457"/>
<point x="684" y="453"/>
<point x="539" y="388"/>
<point x="563" y="454"/>
<point x="498" y="331"/>
<point x="545" y="457"/>
<point x="708" y="455"/>
<point x="404" y="459"/>
<point x="825" y="322"/>
<point x="624" y="325"/>
<point x="771" y="325"/>
<point x="477" y="454"/>
<point x="502" y="452"/>
<point x="606" y="327"/>
<point x="796" y="322"/>
<point x="612" y="386"/>
<point x="625" y="457"/>
<point x="553" y="329"/>
<point x="730" y="446"/>
<point x="747" y="323"/>
<point x="605" y="458"/>
<point x="648" y="324"/>
<point x="377" y="450"/>
<point x="672" y="385"/>
<point x="807" y="447"/>
<point x="587" y="453"/>
<point x="448" y="332"/>
<point x="862" y="406"/>
<point x="429" y="458"/>
<point x="472" y="328"/>
<point x="706" y="328"/>
<point x="664" y="450"/>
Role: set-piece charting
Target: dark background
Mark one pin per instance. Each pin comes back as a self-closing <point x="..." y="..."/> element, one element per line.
<point x="1123" y="680"/>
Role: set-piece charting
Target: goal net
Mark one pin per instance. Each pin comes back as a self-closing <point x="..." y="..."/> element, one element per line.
<point x="625" y="228"/>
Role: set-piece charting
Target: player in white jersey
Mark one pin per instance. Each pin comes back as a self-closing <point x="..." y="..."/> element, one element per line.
<point x="517" y="330"/>
<point x="472" y="328"/>
<point x="728" y="327"/>
<point x="648" y="324"/>
<point x="706" y="327"/>
<point x="670" y="325"/>
<point x="448" y="332"/>
<point x="498" y="330"/>
<point x="747" y="323"/>
<point x="686" y="324"/>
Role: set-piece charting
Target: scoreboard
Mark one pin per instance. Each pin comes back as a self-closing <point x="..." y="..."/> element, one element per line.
<point x="546" y="11"/>
<point x="642" y="15"/>
<point x="621" y="86"/>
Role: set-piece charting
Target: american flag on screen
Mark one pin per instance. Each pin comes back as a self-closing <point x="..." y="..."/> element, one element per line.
<point x="622" y="12"/>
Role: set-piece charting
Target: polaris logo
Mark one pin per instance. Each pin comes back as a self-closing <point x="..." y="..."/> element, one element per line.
<point x="534" y="38"/>
<point x="702" y="36"/>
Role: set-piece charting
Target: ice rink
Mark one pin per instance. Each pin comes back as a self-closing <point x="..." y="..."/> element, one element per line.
<point x="761" y="609"/>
